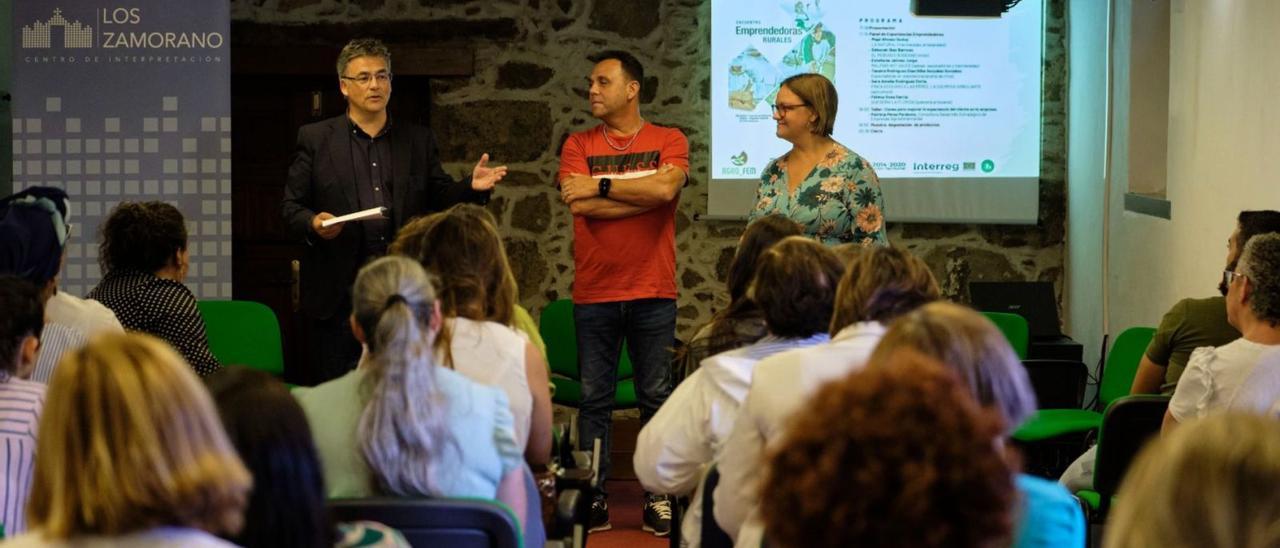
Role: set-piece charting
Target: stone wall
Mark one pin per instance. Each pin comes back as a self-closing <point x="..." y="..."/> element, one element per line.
<point x="528" y="94"/>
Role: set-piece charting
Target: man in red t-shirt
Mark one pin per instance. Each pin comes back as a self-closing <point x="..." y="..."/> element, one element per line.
<point x="621" y="179"/>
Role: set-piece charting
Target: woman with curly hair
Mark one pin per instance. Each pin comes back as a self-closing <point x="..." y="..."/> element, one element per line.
<point x="144" y="258"/>
<point x="131" y="453"/>
<point x="971" y="346"/>
<point x="896" y="455"/>
<point x="461" y="248"/>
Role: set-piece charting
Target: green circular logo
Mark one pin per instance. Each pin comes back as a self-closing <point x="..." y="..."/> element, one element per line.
<point x="988" y="166"/>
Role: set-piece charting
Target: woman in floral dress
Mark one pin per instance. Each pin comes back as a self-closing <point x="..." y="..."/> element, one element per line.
<point x="830" y="190"/>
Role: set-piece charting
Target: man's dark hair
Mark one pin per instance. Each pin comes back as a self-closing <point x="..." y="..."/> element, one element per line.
<point x="21" y="315"/>
<point x="1253" y="223"/>
<point x="141" y="236"/>
<point x="630" y="65"/>
<point x="1250" y="224"/>
<point x="795" y="287"/>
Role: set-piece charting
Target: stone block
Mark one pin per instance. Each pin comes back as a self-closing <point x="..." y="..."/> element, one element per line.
<point x="532" y="213"/>
<point x="510" y="131"/>
<point x="525" y="179"/>
<point x="521" y="75"/>
<point x="528" y="265"/>
<point x="290" y="5"/>
<point x="691" y="279"/>
<point x="627" y="18"/>
<point x="723" y="262"/>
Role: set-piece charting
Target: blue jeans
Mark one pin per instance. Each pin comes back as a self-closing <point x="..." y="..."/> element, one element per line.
<point x="649" y="328"/>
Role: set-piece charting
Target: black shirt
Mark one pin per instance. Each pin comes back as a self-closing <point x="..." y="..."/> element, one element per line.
<point x="371" y="158"/>
<point x="164" y="308"/>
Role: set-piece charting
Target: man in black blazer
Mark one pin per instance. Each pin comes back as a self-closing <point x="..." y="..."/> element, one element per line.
<point x="357" y="161"/>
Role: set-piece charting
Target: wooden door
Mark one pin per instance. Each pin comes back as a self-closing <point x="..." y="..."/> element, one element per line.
<point x="274" y="91"/>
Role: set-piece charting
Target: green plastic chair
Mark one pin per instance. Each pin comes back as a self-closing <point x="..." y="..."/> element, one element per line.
<point x="557" y="329"/>
<point x="1015" y="330"/>
<point x="1117" y="377"/>
<point x="243" y="333"/>
<point x="1128" y="423"/>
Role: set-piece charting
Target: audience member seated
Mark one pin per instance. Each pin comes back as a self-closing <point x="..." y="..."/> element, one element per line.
<point x="1190" y="324"/>
<point x="409" y="243"/>
<point x="740" y="322"/>
<point x="1210" y="484"/>
<point x="399" y="425"/>
<point x="968" y="343"/>
<point x="287" y="505"/>
<point x="477" y="294"/>
<point x="898" y="454"/>
<point x="1193" y="323"/>
<point x="794" y="287"/>
<point x="1214" y="375"/>
<point x="20" y="324"/>
<point x="131" y="453"/>
<point x="880" y="284"/>
<point x="144" y="258"/>
<point x="33" y="238"/>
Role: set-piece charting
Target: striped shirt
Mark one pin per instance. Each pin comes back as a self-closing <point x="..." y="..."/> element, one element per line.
<point x="55" y="340"/>
<point x="20" y="405"/>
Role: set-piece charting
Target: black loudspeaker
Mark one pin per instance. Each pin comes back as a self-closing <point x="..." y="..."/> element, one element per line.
<point x="961" y="8"/>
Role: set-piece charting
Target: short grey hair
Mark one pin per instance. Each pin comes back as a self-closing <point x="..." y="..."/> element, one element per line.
<point x="968" y="344"/>
<point x="362" y="47"/>
<point x="1260" y="263"/>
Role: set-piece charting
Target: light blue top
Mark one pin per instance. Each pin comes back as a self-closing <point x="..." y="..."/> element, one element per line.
<point x="479" y="420"/>
<point x="1050" y="516"/>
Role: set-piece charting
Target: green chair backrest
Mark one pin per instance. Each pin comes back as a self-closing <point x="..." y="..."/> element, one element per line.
<point x="557" y="329"/>
<point x="556" y="326"/>
<point x="1015" y="330"/>
<point x="1122" y="363"/>
<point x="243" y="333"/>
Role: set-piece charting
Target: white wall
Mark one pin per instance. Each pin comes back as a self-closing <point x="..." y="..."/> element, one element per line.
<point x="1223" y="155"/>
<point x="1086" y="171"/>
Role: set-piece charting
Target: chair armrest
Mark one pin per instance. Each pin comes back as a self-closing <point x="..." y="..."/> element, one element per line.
<point x="572" y="519"/>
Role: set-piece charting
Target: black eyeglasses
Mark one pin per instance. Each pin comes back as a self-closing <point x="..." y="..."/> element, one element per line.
<point x="364" y="79"/>
<point x="783" y="109"/>
<point x="1229" y="276"/>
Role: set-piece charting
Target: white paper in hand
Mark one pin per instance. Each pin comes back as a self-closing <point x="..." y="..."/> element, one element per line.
<point x="371" y="213"/>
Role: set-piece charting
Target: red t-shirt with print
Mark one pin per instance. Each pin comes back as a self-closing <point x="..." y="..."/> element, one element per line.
<point x="632" y="257"/>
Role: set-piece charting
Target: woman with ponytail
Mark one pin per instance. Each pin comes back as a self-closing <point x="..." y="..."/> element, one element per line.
<point x="398" y="425"/>
<point x="479" y="338"/>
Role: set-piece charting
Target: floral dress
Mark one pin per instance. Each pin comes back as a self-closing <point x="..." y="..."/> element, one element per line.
<point x="838" y="202"/>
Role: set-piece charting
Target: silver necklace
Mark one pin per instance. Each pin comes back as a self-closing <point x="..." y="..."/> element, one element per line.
<point x="605" y="132"/>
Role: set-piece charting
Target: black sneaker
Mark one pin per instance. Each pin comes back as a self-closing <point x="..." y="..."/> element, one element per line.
<point x="599" y="515"/>
<point x="657" y="514"/>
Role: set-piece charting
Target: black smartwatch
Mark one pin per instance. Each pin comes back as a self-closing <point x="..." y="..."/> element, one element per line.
<point x="605" y="184"/>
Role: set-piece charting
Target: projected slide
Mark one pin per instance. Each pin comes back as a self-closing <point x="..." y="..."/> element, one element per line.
<point x="920" y="97"/>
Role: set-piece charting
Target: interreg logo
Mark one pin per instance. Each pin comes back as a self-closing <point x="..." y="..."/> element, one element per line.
<point x="75" y="34"/>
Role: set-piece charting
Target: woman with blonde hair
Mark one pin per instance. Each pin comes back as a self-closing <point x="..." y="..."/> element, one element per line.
<point x="398" y="424"/>
<point x="823" y="185"/>
<point x="971" y="346"/>
<point x="132" y="453"/>
<point x="1208" y="484"/>
<point x="461" y="248"/>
